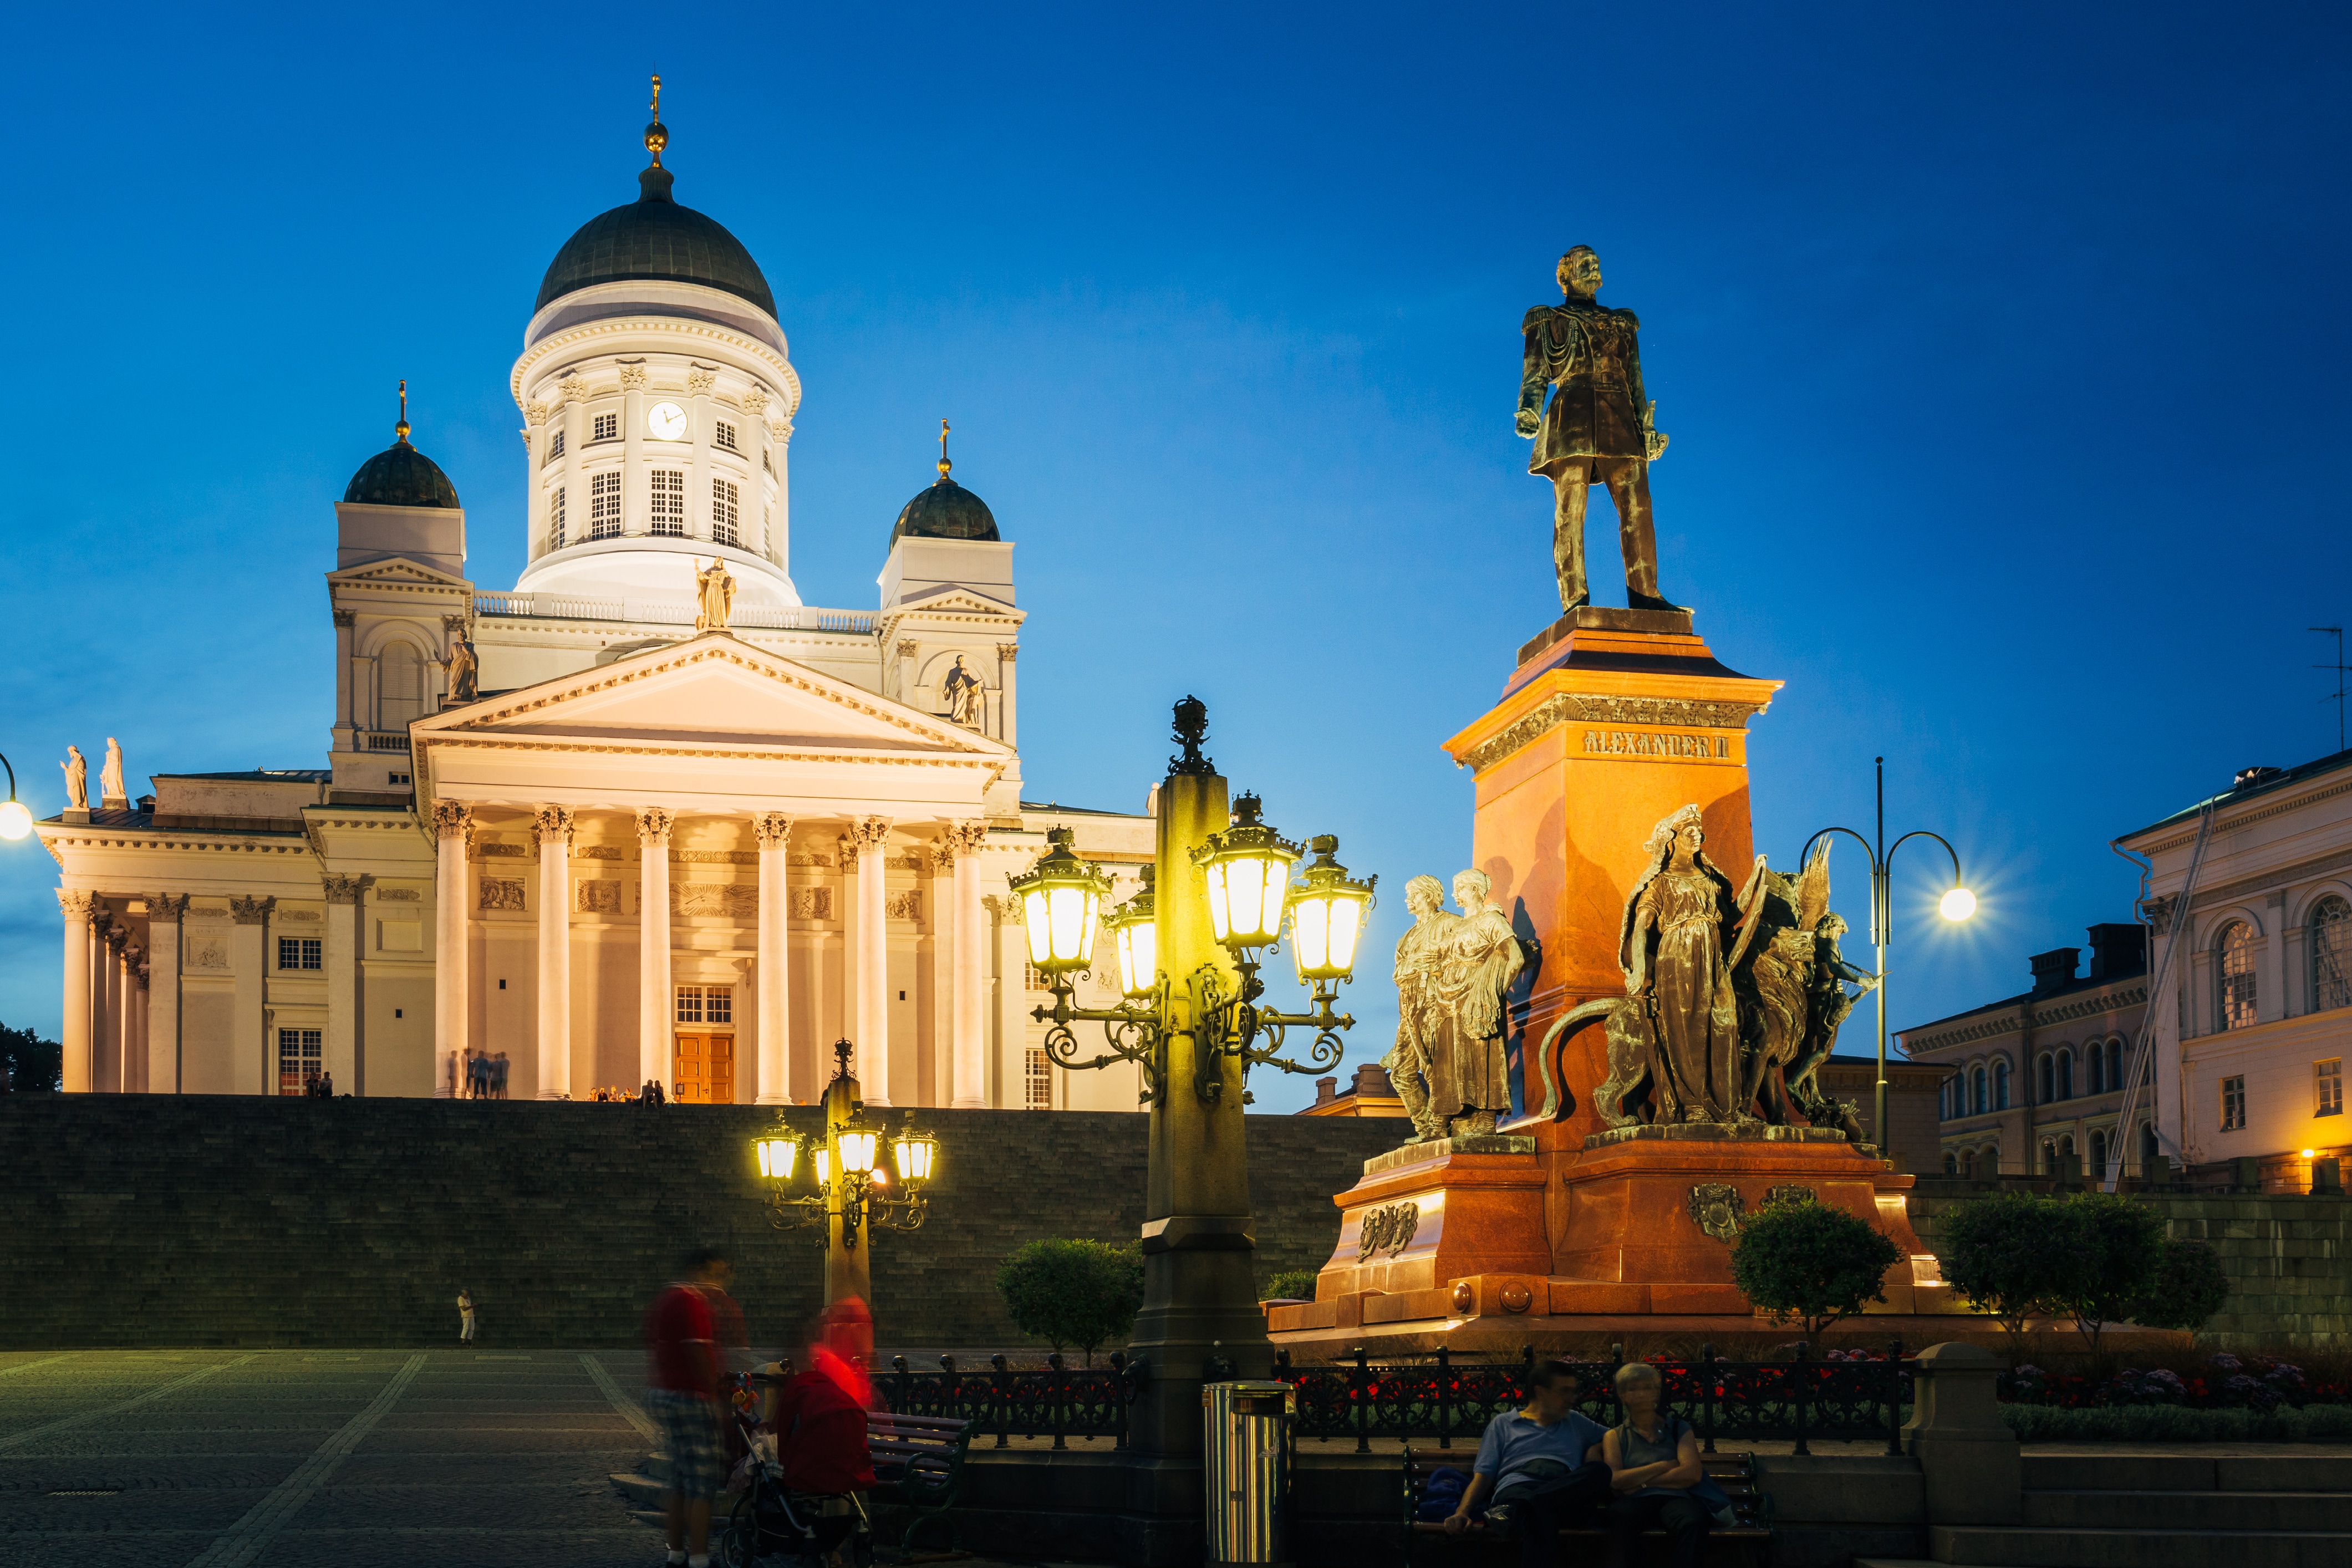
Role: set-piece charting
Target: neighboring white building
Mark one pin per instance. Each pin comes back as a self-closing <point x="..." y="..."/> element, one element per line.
<point x="2252" y="1028"/>
<point x="640" y="851"/>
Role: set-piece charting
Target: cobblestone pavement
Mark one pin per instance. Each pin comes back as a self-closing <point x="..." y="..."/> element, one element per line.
<point x="218" y="1458"/>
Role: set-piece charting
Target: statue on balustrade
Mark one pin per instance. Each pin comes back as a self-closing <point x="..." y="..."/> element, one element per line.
<point x="1411" y="1061"/>
<point x="464" y="671"/>
<point x="77" y="768"/>
<point x="112" y="795"/>
<point x="714" y="597"/>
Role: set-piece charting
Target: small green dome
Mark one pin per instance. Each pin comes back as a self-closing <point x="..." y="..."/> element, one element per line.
<point x="400" y="475"/>
<point x="945" y="511"/>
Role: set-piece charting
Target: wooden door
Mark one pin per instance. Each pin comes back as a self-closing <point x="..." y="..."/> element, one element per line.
<point x="705" y="1073"/>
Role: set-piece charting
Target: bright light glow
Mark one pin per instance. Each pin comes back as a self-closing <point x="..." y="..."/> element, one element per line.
<point x="1218" y="924"/>
<point x="823" y="1158"/>
<point x="15" y="820"/>
<point x="1346" y="924"/>
<point x="1310" y="933"/>
<point x="1041" y="928"/>
<point x="1957" y="905"/>
<point x="2310" y="1153"/>
<point x="1070" y="923"/>
<point x="777" y="1156"/>
<point x="856" y="1150"/>
<point x="1138" y="957"/>
<point x="915" y="1153"/>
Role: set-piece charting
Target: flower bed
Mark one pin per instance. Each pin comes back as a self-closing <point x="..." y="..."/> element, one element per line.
<point x="2254" y="1384"/>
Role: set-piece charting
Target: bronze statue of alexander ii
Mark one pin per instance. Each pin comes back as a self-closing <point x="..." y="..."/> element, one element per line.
<point x="1599" y="429"/>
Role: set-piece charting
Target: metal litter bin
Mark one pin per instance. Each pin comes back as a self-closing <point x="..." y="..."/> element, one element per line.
<point x="1246" y="1454"/>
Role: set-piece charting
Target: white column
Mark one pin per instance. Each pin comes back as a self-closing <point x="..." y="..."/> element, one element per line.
<point x="637" y="490"/>
<point x="452" y="821"/>
<point x="971" y="972"/>
<point x="254" y="1054"/>
<point x="654" y="1009"/>
<point x="774" y="830"/>
<point x="905" y="679"/>
<point x="871" y="987"/>
<point x="341" y="1058"/>
<point x="699" y="522"/>
<point x="76" y="907"/>
<point x="109" y="1009"/>
<point x="1007" y="730"/>
<point x="344" y="620"/>
<point x="134" y="1066"/>
<point x="1011" y="944"/>
<point x="164" y="913"/>
<point x="554" y="827"/>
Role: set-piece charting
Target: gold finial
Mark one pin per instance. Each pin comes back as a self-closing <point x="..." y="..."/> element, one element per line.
<point x="401" y="429"/>
<point x="944" y="464"/>
<point x="656" y="137"/>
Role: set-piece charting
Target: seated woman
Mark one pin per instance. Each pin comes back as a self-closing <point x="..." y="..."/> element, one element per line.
<point x="1655" y="1471"/>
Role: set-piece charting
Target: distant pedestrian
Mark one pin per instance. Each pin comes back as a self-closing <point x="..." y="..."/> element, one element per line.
<point x="465" y="1316"/>
<point x="327" y="1086"/>
<point x="473" y="1061"/>
<point x="499" y="1077"/>
<point x="685" y="1370"/>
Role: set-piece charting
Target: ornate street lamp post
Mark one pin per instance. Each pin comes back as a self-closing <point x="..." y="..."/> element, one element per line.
<point x="1956" y="904"/>
<point x="854" y="1196"/>
<point x="1188" y="948"/>
<point x="15" y="820"/>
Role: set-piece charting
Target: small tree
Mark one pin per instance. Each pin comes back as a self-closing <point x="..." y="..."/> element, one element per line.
<point x="1811" y="1264"/>
<point x="1290" y="1285"/>
<point x="29" y="1063"/>
<point x="2118" y="1243"/>
<point x="2011" y="1256"/>
<point x="2188" y="1288"/>
<point x="1072" y="1292"/>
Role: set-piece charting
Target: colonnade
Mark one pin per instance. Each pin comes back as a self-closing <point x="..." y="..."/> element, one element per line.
<point x="108" y="974"/>
<point x="955" y="848"/>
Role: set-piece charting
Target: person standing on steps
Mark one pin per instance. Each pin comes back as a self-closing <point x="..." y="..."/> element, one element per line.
<point x="465" y="1316"/>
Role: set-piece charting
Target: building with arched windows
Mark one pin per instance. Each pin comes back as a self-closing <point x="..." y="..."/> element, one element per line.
<point x="2037" y="1080"/>
<point x="2250" y="1037"/>
<point x="623" y="820"/>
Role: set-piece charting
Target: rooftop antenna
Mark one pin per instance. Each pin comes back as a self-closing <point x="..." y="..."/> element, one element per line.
<point x="945" y="465"/>
<point x="2339" y="667"/>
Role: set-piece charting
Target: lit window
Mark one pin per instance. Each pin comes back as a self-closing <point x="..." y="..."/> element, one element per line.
<point x="725" y="508"/>
<point x="605" y="506"/>
<point x="2330" y="930"/>
<point x="1039" y="1076"/>
<point x="555" y="513"/>
<point x="2237" y="970"/>
<point x="607" y="427"/>
<point x="299" y="1053"/>
<point x="2234" y="1104"/>
<point x="298" y="953"/>
<point x="2329" y="1078"/>
<point x="706" y="1005"/>
<point x="726" y="436"/>
<point x="556" y="446"/>
<point x="670" y="502"/>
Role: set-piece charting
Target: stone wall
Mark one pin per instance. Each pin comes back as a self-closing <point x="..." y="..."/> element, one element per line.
<point x="204" y="1220"/>
<point x="2289" y="1258"/>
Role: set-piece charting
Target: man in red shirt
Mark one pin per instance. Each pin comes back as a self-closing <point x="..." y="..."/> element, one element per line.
<point x="685" y="1368"/>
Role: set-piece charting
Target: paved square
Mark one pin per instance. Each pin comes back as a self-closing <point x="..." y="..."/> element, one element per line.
<point x="221" y="1458"/>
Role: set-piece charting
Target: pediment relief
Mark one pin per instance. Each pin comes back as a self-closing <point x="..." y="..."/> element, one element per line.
<point x="712" y="690"/>
<point x="397" y="569"/>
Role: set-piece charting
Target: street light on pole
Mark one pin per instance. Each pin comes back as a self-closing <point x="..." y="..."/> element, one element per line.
<point x="1956" y="904"/>
<point x="15" y="820"/>
<point x="853" y="1197"/>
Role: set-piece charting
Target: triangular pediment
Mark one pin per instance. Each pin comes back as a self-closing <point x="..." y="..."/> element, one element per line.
<point x="953" y="600"/>
<point x="711" y="690"/>
<point x="397" y="569"/>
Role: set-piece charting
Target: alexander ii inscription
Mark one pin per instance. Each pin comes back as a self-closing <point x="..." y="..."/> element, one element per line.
<point x="1651" y="744"/>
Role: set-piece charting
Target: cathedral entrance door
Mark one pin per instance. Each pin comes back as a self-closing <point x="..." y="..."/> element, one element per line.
<point x="706" y="1070"/>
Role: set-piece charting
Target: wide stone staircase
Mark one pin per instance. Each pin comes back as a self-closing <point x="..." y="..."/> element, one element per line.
<point x="2163" y="1510"/>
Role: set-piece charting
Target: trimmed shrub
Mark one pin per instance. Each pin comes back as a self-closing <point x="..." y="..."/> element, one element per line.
<point x="2174" y="1424"/>
<point x="1811" y="1264"/>
<point x="1290" y="1284"/>
<point x="1072" y="1292"/>
<point x="2117" y="1245"/>
<point x="2188" y="1288"/>
<point x="2012" y="1256"/>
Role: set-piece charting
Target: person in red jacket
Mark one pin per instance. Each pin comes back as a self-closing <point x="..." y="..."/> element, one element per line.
<point x="687" y="1331"/>
<point x="820" y="1421"/>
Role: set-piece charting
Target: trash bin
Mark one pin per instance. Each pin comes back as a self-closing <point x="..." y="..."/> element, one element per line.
<point x="1245" y="1452"/>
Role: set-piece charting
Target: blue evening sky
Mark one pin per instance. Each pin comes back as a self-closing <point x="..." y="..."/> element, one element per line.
<point x="2002" y="347"/>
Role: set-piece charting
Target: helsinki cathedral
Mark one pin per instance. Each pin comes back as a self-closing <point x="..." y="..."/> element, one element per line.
<point x="646" y="814"/>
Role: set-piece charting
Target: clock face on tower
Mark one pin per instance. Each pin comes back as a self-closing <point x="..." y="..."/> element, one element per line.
<point x="665" y="422"/>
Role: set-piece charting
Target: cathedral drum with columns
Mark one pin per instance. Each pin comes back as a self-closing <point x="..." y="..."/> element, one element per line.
<point x="646" y="817"/>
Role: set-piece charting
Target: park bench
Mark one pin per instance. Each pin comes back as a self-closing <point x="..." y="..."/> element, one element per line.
<point x="1749" y="1539"/>
<point x="919" y="1466"/>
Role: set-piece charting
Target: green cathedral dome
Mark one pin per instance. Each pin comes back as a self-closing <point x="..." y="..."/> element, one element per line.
<point x="653" y="239"/>
<point x="400" y="475"/>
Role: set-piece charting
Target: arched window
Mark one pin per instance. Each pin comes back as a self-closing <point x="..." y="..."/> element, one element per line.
<point x="2115" y="1065"/>
<point x="2095" y="1069"/>
<point x="2049" y="1080"/>
<point x="2146" y="1145"/>
<point x="2065" y="1075"/>
<point x="2234" y="955"/>
<point x="1951" y="1164"/>
<point x="401" y="695"/>
<point x="2049" y="1156"/>
<point x="2001" y="1086"/>
<point x="1981" y="1103"/>
<point x="2099" y="1154"/>
<point x="2330" y="932"/>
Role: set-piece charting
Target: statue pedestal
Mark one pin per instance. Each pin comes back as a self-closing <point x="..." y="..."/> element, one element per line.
<point x="1563" y="1231"/>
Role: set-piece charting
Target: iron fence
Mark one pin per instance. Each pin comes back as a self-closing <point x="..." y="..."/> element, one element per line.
<point x="1442" y="1398"/>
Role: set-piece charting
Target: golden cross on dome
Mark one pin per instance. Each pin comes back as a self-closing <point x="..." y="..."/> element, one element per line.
<point x="656" y="137"/>
<point x="944" y="464"/>
<point x="401" y="429"/>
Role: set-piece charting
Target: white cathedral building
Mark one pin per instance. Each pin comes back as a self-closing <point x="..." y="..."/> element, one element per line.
<point x="561" y="825"/>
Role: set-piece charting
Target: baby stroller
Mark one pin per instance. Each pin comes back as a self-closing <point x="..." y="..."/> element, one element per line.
<point x="771" y="1520"/>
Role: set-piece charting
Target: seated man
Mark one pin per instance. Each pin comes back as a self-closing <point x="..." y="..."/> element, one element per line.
<point x="1540" y="1466"/>
<point x="1654" y="1466"/>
